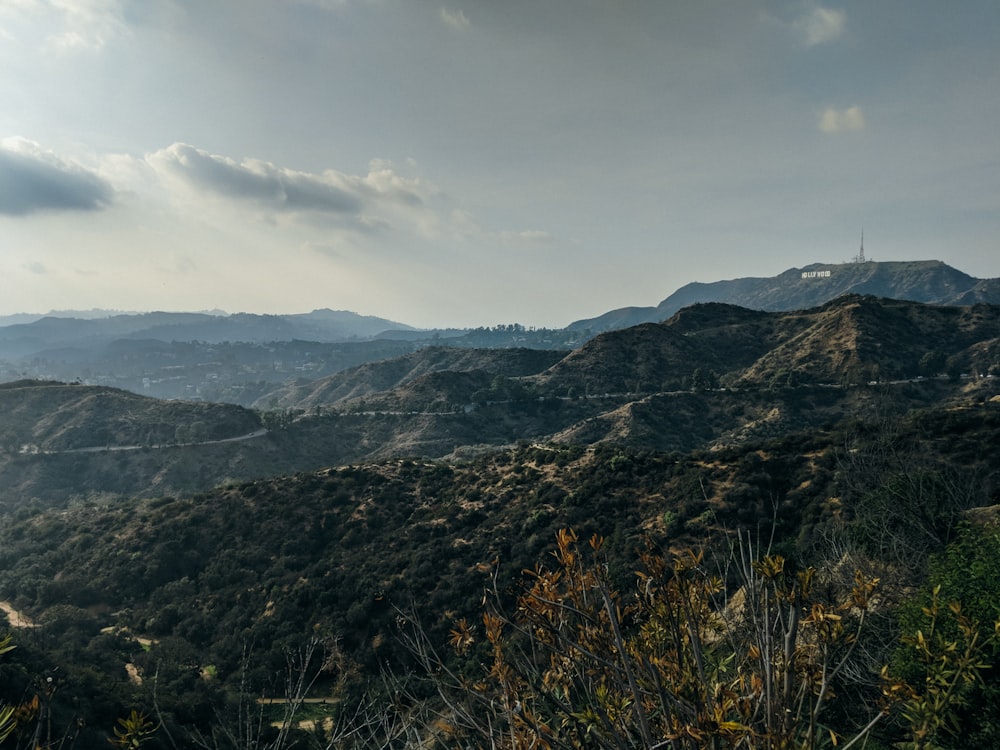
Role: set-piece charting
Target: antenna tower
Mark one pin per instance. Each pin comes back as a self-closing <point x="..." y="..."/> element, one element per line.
<point x="860" y="257"/>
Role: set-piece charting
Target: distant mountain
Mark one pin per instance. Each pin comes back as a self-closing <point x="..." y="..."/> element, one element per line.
<point x="61" y="333"/>
<point x="929" y="281"/>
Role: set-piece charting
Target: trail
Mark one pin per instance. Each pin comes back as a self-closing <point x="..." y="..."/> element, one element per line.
<point x="15" y="618"/>
<point x="114" y="448"/>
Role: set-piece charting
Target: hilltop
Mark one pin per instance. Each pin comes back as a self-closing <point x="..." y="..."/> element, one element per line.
<point x="930" y="281"/>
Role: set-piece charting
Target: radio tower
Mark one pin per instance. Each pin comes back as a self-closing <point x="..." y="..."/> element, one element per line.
<point x="860" y="257"/>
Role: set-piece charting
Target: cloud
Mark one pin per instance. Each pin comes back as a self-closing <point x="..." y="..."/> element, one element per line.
<point x="70" y="25"/>
<point x="276" y="188"/>
<point x="33" y="180"/>
<point x="527" y="236"/>
<point x="464" y="225"/>
<point x="820" y="25"/>
<point x="455" y="19"/>
<point x="328" y="249"/>
<point x="285" y="190"/>
<point x="841" y="120"/>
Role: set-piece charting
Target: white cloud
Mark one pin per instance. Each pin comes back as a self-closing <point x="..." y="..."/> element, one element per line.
<point x="66" y="25"/>
<point x="527" y="236"/>
<point x="820" y="25"/>
<point x="464" y="226"/>
<point x="34" y="180"/>
<point x="284" y="190"/>
<point x="455" y="19"/>
<point x="841" y="120"/>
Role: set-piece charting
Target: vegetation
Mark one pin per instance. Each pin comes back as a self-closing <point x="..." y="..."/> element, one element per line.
<point x="193" y="606"/>
<point x="775" y="552"/>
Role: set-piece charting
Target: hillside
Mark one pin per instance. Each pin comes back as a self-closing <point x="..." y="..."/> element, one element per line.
<point x="387" y="374"/>
<point x="182" y="556"/>
<point x="712" y="376"/>
<point x="213" y="591"/>
<point x="852" y="339"/>
<point x="58" y="417"/>
<point x="268" y="361"/>
<point x="930" y="282"/>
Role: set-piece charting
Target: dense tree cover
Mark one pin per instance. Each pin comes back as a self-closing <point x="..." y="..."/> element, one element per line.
<point x="195" y="606"/>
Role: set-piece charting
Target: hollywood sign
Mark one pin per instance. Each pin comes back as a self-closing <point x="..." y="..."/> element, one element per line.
<point x="815" y="274"/>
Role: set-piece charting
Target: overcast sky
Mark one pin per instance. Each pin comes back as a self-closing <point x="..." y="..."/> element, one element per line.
<point x="472" y="162"/>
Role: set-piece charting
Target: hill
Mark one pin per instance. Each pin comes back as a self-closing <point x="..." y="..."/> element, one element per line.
<point x="850" y="339"/>
<point x="58" y="417"/>
<point x="60" y="442"/>
<point x="208" y="595"/>
<point x="712" y="376"/>
<point x="184" y="555"/>
<point x="266" y="361"/>
<point x="930" y="282"/>
<point x="390" y="373"/>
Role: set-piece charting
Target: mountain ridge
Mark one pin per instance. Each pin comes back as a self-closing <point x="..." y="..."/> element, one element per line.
<point x="324" y="325"/>
<point x="928" y="281"/>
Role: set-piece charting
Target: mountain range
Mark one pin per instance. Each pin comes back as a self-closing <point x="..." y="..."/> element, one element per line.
<point x="712" y="376"/>
<point x="86" y="333"/>
<point x="929" y="281"/>
<point x="182" y="554"/>
<point x="242" y="358"/>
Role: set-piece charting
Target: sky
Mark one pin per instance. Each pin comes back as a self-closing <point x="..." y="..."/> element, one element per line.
<point x="475" y="162"/>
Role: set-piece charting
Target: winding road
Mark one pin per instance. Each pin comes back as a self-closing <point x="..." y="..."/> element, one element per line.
<point x="106" y="448"/>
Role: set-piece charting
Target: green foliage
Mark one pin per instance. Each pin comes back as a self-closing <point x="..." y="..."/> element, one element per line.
<point x="132" y="731"/>
<point x="951" y="645"/>
<point x="932" y="363"/>
<point x="272" y="562"/>
<point x="948" y="669"/>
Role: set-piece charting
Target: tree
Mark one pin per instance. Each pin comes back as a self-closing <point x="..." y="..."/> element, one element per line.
<point x="676" y="663"/>
<point x="932" y="363"/>
<point x="949" y="645"/>
<point x="8" y="721"/>
<point x="702" y="380"/>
